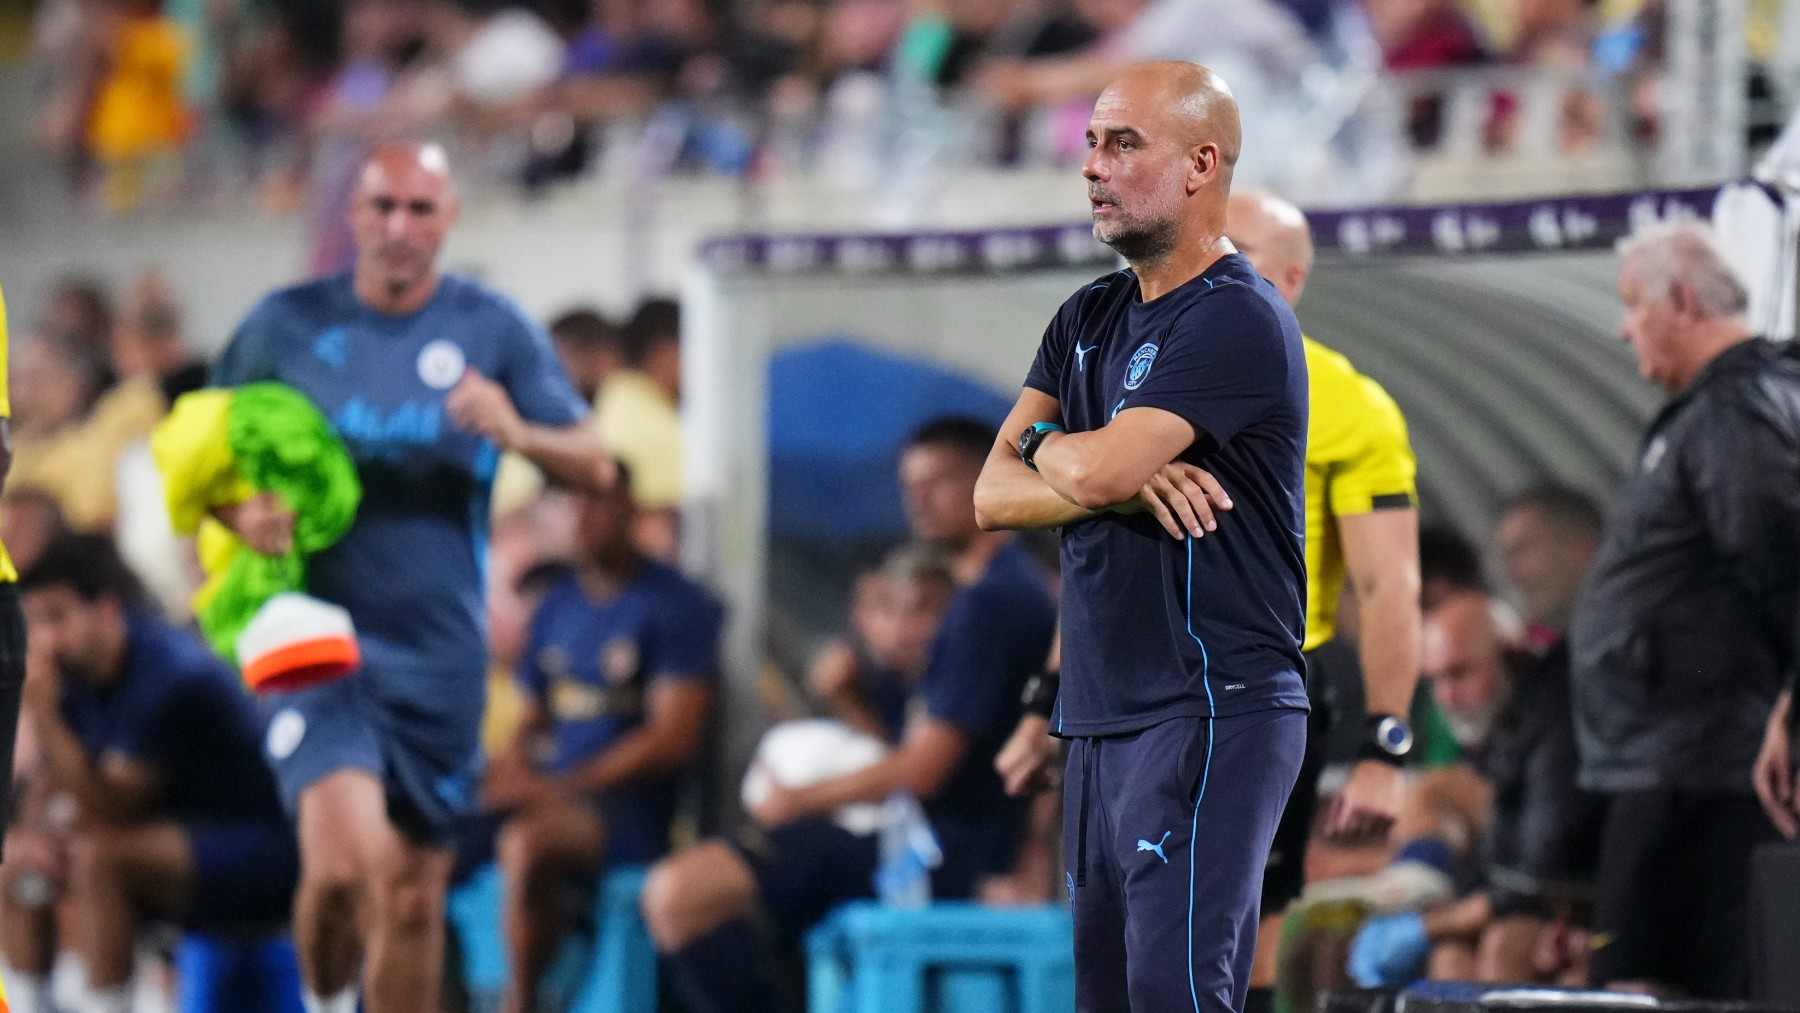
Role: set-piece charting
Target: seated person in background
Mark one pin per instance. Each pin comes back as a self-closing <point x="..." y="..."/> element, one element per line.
<point x="618" y="672"/>
<point x="797" y="863"/>
<point x="865" y="678"/>
<point x="1511" y="816"/>
<point x="159" y="749"/>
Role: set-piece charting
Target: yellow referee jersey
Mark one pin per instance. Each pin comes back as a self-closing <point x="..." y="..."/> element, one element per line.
<point x="1358" y="459"/>
<point x="7" y="573"/>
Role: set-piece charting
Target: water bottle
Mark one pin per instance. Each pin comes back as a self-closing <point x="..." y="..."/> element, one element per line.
<point x="909" y="851"/>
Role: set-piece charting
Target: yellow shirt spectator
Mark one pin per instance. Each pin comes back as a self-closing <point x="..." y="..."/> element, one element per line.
<point x="138" y="110"/>
<point x="1358" y="459"/>
<point x="642" y="428"/>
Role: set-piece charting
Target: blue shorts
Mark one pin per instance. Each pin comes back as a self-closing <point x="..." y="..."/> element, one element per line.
<point x="1165" y="833"/>
<point x="428" y="760"/>
<point x="244" y="876"/>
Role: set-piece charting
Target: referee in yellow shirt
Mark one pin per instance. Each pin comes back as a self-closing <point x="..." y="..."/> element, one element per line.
<point x="1362" y="522"/>
<point x="12" y="619"/>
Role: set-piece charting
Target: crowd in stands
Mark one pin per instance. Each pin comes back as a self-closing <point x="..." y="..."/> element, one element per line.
<point x="547" y="89"/>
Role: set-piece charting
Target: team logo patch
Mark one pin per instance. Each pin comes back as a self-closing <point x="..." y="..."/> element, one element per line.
<point x="441" y="364"/>
<point x="574" y="700"/>
<point x="1140" y="365"/>
<point x="286" y="730"/>
<point x="618" y="660"/>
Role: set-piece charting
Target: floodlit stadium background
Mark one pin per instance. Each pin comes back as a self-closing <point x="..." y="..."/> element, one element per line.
<point x="906" y="265"/>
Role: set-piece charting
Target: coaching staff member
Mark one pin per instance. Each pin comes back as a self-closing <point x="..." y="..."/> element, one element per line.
<point x="1181" y="669"/>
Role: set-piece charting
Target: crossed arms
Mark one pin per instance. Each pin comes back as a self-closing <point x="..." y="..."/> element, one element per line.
<point x="1126" y="466"/>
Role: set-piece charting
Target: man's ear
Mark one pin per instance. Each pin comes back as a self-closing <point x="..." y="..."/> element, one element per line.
<point x="1202" y="166"/>
<point x="1682" y="300"/>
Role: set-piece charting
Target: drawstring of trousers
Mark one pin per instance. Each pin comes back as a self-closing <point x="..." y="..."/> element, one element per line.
<point x="1090" y="747"/>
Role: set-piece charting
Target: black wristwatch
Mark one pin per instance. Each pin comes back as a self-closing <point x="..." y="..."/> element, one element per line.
<point x="1386" y="737"/>
<point x="1040" y="693"/>
<point x="1032" y="438"/>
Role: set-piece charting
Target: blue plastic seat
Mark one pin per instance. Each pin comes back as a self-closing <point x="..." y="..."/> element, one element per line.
<point x="950" y="957"/>
<point x="616" y="975"/>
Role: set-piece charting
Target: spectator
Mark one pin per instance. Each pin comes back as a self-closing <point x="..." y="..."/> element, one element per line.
<point x="1424" y="34"/>
<point x="154" y="368"/>
<point x="270" y="84"/>
<point x="969" y="32"/>
<point x="1556" y="36"/>
<point x="1268" y="37"/>
<point x="138" y="123"/>
<point x="69" y="445"/>
<point x="638" y="416"/>
<point x="795" y="862"/>
<point x="1419" y="35"/>
<point x="615" y="68"/>
<point x="590" y="349"/>
<point x="365" y="101"/>
<point x="591" y="352"/>
<point x="148" y="345"/>
<point x="1546" y="537"/>
<point x="618" y="673"/>
<point x="1685" y="630"/>
<point x="79" y="315"/>
<point x="1533" y="832"/>
<point x="154" y="740"/>
<point x="52" y="394"/>
<point x="865" y="678"/>
<point x="29" y="521"/>
<point x="495" y="56"/>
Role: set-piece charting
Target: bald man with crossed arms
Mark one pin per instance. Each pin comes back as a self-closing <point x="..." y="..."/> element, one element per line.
<point x="1181" y="692"/>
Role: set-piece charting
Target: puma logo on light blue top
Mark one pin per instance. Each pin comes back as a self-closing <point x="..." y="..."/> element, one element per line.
<point x="1144" y="845"/>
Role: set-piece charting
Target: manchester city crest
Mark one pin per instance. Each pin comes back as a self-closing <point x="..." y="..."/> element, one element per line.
<point x="1140" y="365"/>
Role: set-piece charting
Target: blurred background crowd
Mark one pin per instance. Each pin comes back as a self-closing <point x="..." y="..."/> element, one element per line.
<point x="176" y="101"/>
<point x="166" y="161"/>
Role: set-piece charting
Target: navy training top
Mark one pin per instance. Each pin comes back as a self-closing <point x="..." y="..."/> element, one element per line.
<point x="179" y="710"/>
<point x="1155" y="628"/>
<point x="591" y="664"/>
<point x="411" y="568"/>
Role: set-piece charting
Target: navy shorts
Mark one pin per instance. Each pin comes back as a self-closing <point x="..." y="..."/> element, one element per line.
<point x="244" y="876"/>
<point x="1165" y="834"/>
<point x="805" y="868"/>
<point x="428" y="766"/>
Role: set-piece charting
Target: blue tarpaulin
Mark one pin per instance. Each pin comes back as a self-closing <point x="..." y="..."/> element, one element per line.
<point x="839" y="413"/>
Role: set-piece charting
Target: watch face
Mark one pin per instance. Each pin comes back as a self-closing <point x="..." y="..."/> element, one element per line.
<point x="1393" y="735"/>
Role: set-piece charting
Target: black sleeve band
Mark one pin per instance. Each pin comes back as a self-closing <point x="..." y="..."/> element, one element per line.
<point x="1040" y="693"/>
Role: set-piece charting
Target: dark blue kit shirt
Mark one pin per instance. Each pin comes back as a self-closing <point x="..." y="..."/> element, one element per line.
<point x="177" y="709"/>
<point x="410" y="570"/>
<point x="590" y="664"/>
<point x="1155" y="628"/>
<point x="996" y="633"/>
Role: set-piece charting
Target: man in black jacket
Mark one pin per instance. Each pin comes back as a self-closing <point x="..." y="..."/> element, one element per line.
<point x="1685" y="629"/>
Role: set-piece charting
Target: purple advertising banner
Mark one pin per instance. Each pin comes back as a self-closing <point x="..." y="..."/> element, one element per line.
<point x="1585" y="222"/>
